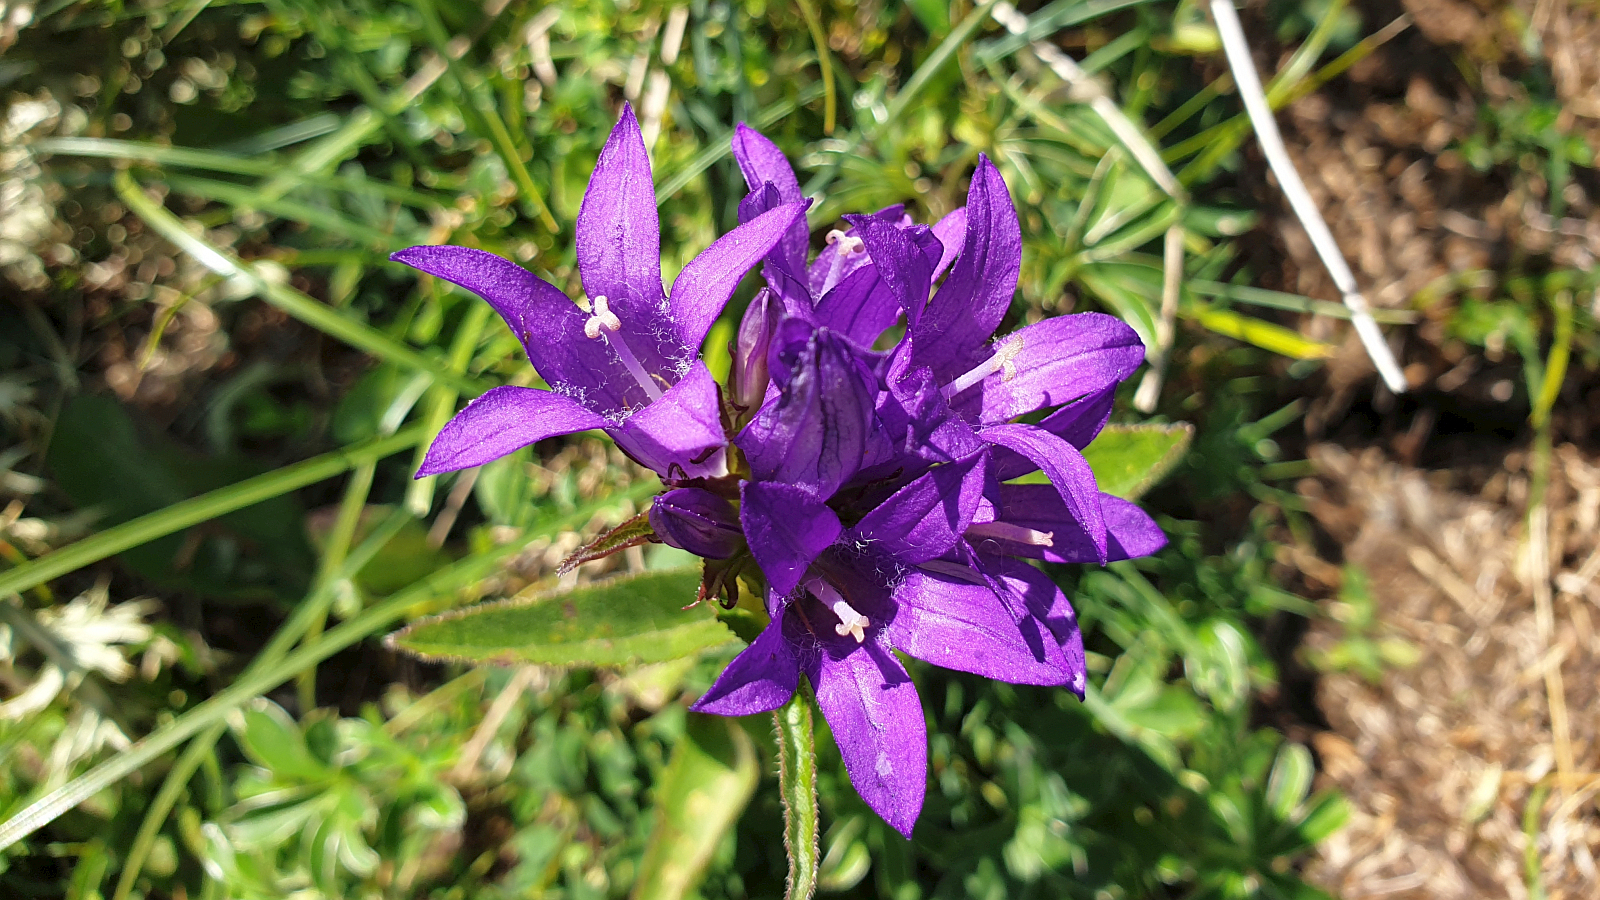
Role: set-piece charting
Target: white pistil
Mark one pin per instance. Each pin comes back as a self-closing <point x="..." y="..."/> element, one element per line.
<point x="1003" y="361"/>
<point x="851" y="623"/>
<point x="602" y="317"/>
<point x="602" y="322"/>
<point x="849" y="245"/>
<point x="1006" y="531"/>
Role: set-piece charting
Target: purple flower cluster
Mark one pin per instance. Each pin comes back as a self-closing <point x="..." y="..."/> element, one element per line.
<point x="864" y="472"/>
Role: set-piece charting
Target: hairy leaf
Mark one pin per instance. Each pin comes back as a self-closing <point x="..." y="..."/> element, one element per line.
<point x="623" y="621"/>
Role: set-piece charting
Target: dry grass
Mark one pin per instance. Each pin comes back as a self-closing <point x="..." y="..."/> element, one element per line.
<point x="1443" y="758"/>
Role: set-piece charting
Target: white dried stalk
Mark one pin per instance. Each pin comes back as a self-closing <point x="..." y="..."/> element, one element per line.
<point x="1149" y="158"/>
<point x="1266" y="128"/>
<point x="1144" y="399"/>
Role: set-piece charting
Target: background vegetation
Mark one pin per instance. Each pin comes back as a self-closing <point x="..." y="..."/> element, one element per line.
<point x="198" y="202"/>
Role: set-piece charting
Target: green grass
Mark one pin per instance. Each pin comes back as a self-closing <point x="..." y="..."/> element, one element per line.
<point x="232" y="176"/>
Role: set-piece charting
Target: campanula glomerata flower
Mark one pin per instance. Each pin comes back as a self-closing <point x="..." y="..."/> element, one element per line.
<point x="876" y="503"/>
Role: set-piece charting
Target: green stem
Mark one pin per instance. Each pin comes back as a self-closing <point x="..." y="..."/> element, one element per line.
<point x="334" y="551"/>
<point x="481" y="106"/>
<point x="199" y="509"/>
<point x="797" y="783"/>
<point x="441" y="405"/>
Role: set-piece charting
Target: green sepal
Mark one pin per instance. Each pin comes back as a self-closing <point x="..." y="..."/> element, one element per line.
<point x="631" y="533"/>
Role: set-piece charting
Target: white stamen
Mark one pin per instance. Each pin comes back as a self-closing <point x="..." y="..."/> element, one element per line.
<point x="604" y="323"/>
<point x="1003" y="361"/>
<point x="1006" y="531"/>
<point x="851" y="623"/>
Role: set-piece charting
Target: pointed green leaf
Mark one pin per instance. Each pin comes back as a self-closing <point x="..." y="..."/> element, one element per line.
<point x="711" y="778"/>
<point x="624" y="621"/>
<point x="1130" y="459"/>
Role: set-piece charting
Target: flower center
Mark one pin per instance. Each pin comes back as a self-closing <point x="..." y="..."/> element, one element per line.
<point x="603" y="323"/>
<point x="1003" y="360"/>
<point x="1015" y="533"/>
<point x="851" y="622"/>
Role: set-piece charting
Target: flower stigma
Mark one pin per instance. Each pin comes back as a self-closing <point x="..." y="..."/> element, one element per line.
<point x="1003" y="361"/>
<point x="1015" y="533"/>
<point x="849" y="244"/>
<point x="602" y="322"/>
<point x="851" y="623"/>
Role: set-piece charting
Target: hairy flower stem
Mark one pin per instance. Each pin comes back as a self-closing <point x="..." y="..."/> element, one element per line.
<point x="797" y="783"/>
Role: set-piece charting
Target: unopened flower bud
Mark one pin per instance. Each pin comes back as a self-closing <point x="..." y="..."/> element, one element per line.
<point x="749" y="376"/>
<point x="697" y="521"/>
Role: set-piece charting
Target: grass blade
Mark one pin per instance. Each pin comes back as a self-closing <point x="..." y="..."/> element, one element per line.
<point x="318" y="315"/>
<point x="206" y="506"/>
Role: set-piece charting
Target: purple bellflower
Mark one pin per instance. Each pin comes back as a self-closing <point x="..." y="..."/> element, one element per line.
<point x="625" y="359"/>
<point x="876" y="502"/>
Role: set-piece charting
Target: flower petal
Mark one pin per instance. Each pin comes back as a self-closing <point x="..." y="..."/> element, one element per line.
<point x="1046" y="603"/>
<point x="876" y="718"/>
<point x="696" y="520"/>
<point x="904" y="258"/>
<point x="546" y="321"/>
<point x="1067" y="470"/>
<point x="1077" y="423"/>
<point x="924" y="519"/>
<point x="834" y="265"/>
<point x="703" y="287"/>
<point x="786" y="529"/>
<point x="1130" y="532"/>
<point x="679" y="435"/>
<point x="760" y="679"/>
<point x="860" y="307"/>
<point x="918" y="418"/>
<point x="977" y="293"/>
<point x="619" y="249"/>
<point x="962" y="625"/>
<point x="822" y="429"/>
<point x="502" y="420"/>
<point x="763" y="163"/>
<point x="951" y="232"/>
<point x="1053" y="362"/>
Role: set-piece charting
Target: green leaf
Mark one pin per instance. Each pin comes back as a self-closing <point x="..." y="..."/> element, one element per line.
<point x="933" y="14"/>
<point x="1290" y="780"/>
<point x="404" y="559"/>
<point x="711" y="778"/>
<point x="1263" y="334"/>
<point x="1328" y="813"/>
<point x="102" y="459"/>
<point x="1130" y="459"/>
<point x="624" y="621"/>
<point x="271" y="739"/>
